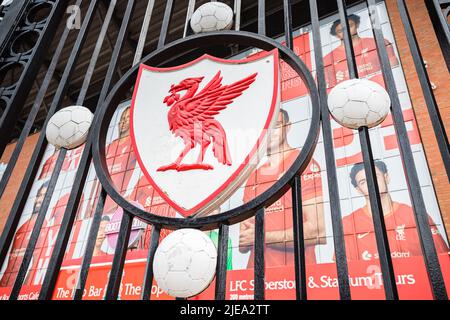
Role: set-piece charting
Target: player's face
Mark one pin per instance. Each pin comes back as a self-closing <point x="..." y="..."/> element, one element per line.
<point x="124" y="123"/>
<point x="39" y="199"/>
<point x="278" y="134"/>
<point x="382" y="179"/>
<point x="353" y="29"/>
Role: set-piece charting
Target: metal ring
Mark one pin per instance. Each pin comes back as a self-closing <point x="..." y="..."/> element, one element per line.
<point x="104" y="115"/>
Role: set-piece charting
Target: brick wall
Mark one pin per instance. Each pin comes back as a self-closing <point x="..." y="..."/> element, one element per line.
<point x="437" y="72"/>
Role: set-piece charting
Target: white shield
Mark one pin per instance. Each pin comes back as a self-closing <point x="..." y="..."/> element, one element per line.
<point x="223" y="109"/>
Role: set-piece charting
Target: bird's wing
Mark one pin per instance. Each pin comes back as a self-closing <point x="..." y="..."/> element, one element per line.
<point x="214" y="98"/>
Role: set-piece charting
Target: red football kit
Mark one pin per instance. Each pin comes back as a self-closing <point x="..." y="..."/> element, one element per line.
<point x="278" y="217"/>
<point x="360" y="241"/>
<point x="367" y="62"/>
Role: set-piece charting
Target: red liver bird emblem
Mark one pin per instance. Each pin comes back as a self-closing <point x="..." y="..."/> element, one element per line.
<point x="191" y="117"/>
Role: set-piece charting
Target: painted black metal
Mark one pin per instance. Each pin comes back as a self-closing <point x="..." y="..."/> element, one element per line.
<point x="438" y="11"/>
<point x="379" y="226"/>
<point x="37" y="227"/>
<point x="259" y="270"/>
<point x="388" y="275"/>
<point x="430" y="100"/>
<point x="299" y="240"/>
<point x="288" y="24"/>
<point x="412" y="179"/>
<point x="148" y="280"/>
<point x="83" y="167"/>
<point x="330" y="160"/>
<point x="221" y="269"/>
<point x="34" y="110"/>
<point x="350" y="53"/>
<point x="31" y="62"/>
<point x="89" y="251"/>
<point x="33" y="166"/>
<point x="115" y="276"/>
<point x="158" y="57"/>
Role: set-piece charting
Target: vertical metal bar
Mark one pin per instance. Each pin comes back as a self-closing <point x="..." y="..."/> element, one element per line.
<point x="297" y="210"/>
<point x="34" y="110"/>
<point x="189" y="13"/>
<point x="115" y="276"/>
<point x="82" y="171"/>
<point x="144" y="31"/>
<point x="433" y="109"/>
<point x="382" y="240"/>
<point x="259" y="271"/>
<point x="330" y="160"/>
<point x="148" y="280"/>
<point x="237" y="15"/>
<point x="33" y="166"/>
<point x="89" y="251"/>
<point x="299" y="240"/>
<point x="262" y="17"/>
<point x="20" y="278"/>
<point x="384" y="252"/>
<point x="412" y="179"/>
<point x="221" y="268"/>
<point x="165" y="25"/>
<point x="11" y="21"/>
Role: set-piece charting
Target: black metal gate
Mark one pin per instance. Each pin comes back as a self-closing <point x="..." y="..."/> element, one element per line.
<point x="169" y="48"/>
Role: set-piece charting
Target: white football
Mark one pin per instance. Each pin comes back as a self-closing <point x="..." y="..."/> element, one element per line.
<point x="212" y="16"/>
<point x="69" y="127"/>
<point x="359" y="102"/>
<point x="185" y="263"/>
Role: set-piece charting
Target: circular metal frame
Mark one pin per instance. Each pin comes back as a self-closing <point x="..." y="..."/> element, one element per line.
<point x="104" y="115"/>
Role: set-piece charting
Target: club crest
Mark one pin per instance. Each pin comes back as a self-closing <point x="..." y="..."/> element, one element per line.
<point x="199" y="129"/>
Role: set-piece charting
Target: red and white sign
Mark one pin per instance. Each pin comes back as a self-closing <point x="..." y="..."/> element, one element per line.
<point x="199" y="129"/>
